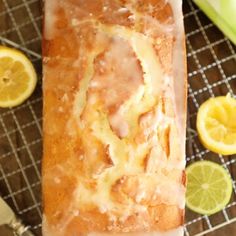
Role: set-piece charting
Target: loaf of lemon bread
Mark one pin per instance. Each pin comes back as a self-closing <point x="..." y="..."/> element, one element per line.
<point x="114" y="94"/>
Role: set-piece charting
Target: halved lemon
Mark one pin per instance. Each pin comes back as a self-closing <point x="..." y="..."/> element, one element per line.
<point x="17" y="77"/>
<point x="209" y="187"/>
<point x="216" y="124"/>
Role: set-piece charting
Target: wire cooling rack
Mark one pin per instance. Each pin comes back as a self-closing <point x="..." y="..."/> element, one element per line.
<point x="211" y="72"/>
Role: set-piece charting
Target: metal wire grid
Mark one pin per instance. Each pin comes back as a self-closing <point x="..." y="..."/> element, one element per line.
<point x="20" y="128"/>
<point x="212" y="72"/>
<point x="211" y="76"/>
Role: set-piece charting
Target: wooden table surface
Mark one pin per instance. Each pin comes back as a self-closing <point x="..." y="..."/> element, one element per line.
<point x="20" y="128"/>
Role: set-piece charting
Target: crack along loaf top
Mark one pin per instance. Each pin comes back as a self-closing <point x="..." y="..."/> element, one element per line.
<point x="114" y="117"/>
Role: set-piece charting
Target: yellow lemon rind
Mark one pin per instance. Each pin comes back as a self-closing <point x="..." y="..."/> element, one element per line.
<point x="206" y="140"/>
<point x="18" y="56"/>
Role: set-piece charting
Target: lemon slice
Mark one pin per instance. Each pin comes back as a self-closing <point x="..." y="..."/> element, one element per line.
<point x="216" y="125"/>
<point x="17" y="77"/>
<point x="209" y="187"/>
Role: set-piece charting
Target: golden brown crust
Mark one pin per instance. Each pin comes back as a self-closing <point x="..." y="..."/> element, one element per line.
<point x="113" y="161"/>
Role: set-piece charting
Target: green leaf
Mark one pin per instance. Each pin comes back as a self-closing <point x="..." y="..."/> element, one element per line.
<point x="222" y="13"/>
